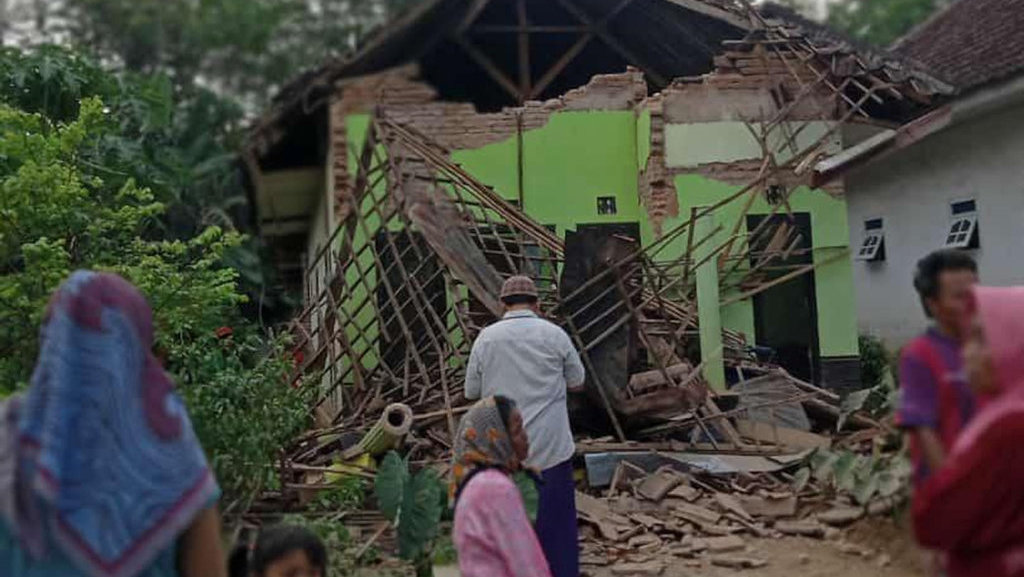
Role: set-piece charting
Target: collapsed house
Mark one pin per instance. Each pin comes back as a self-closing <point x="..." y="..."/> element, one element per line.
<point x="649" y="162"/>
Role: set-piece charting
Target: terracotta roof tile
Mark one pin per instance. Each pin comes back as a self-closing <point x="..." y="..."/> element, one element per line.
<point x="971" y="42"/>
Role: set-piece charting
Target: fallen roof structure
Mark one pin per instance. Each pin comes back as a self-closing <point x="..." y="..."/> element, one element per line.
<point x="416" y="263"/>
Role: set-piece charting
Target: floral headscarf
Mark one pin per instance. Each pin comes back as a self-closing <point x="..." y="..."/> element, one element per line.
<point x="482" y="442"/>
<point x="100" y="453"/>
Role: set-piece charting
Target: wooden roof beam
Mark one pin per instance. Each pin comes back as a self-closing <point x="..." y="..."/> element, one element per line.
<point x="600" y="29"/>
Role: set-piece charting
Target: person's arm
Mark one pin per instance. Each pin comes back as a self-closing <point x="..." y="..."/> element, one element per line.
<point x="474" y="375"/>
<point x="200" y="552"/>
<point x="575" y="374"/>
<point x="974" y="502"/>
<point x="931" y="447"/>
<point x="918" y="409"/>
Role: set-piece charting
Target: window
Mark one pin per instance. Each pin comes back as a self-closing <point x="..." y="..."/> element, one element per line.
<point x="963" y="226"/>
<point x="606" y="205"/>
<point x="873" y="247"/>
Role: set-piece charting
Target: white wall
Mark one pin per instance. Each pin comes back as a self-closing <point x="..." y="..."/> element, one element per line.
<point x="981" y="159"/>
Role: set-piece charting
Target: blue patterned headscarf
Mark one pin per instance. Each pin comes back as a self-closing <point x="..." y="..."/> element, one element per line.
<point x="108" y="466"/>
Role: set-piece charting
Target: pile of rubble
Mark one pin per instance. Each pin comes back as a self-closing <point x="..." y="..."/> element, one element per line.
<point x="647" y="522"/>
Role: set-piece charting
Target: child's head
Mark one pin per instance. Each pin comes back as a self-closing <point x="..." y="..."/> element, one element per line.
<point x="284" y="551"/>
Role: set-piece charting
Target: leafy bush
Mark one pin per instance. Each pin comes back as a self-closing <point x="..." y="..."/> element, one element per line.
<point x="864" y="477"/>
<point x="875" y="361"/>
<point x="59" y="213"/>
<point x="180" y="147"/>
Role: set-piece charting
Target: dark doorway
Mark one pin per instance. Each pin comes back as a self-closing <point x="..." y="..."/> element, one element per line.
<point x="596" y="311"/>
<point x="786" y="315"/>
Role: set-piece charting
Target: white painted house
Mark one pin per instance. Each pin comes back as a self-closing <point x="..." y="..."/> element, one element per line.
<point x="954" y="178"/>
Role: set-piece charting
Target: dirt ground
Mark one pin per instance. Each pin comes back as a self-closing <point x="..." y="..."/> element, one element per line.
<point x="873" y="548"/>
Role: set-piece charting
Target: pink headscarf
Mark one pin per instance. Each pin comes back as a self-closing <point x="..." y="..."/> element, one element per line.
<point x="1001" y="311"/>
<point x="972" y="508"/>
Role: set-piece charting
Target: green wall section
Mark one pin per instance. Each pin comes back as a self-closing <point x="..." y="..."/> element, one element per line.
<point x="837" y="324"/>
<point x="567" y="164"/>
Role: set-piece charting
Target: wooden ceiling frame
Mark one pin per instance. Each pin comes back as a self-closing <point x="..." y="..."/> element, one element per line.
<point x="526" y="85"/>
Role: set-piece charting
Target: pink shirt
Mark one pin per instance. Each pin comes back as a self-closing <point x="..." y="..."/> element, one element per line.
<point x="493" y="536"/>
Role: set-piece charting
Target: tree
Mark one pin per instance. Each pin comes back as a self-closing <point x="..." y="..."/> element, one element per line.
<point x="70" y="199"/>
<point x="881" y="22"/>
<point x="245" y="49"/>
<point x="876" y="22"/>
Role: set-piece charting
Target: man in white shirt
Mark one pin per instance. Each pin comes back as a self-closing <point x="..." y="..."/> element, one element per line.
<point x="534" y="363"/>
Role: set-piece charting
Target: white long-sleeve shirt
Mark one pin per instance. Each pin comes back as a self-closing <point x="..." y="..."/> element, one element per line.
<point x="534" y="363"/>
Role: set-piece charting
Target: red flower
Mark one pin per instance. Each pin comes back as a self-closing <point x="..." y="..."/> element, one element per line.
<point x="224" y="332"/>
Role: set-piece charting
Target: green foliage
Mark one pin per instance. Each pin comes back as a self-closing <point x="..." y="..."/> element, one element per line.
<point x="63" y="208"/>
<point x="244" y="48"/>
<point x="881" y="22"/>
<point x="389" y="485"/>
<point x="181" y="150"/>
<point x="347" y="493"/>
<point x="875" y="361"/>
<point x="414" y="504"/>
<point x="877" y="373"/>
<point x="528" y="489"/>
<point x="864" y="477"/>
<point x="241" y="406"/>
<point x="444" y="551"/>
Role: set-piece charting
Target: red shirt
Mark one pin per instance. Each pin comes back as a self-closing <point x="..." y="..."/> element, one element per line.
<point x="933" y="393"/>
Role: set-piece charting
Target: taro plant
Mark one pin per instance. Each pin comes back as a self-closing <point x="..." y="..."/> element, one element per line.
<point x="865" y="477"/>
<point x="413" y="503"/>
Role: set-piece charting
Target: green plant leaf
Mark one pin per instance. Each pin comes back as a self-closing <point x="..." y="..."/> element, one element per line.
<point x="390" y="485"/>
<point x="801" y="478"/>
<point x="851" y="404"/>
<point x="845" y="471"/>
<point x="528" y="490"/>
<point x="419" y="515"/>
<point x="822" y="465"/>
<point x="866" y="488"/>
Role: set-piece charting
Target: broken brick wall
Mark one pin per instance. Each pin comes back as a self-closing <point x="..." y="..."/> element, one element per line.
<point x="710" y="138"/>
<point x="462" y="130"/>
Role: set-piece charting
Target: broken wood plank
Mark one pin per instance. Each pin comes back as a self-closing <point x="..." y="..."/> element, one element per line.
<point x="685" y="492"/>
<point x="731" y="504"/>
<point x="654" y="378"/>
<point x="696" y="514"/>
<point x="782" y="436"/>
<point x="657" y="485"/>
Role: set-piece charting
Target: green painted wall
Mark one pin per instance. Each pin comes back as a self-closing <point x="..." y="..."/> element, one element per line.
<point x="567" y="164"/>
<point x="837" y="326"/>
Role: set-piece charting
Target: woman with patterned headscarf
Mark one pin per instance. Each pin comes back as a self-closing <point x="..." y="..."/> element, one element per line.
<point x="492" y="533"/>
<point x="101" y="474"/>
